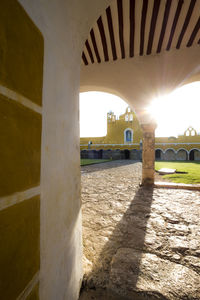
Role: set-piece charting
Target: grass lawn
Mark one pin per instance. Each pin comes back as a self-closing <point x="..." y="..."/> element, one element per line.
<point x="85" y="161"/>
<point x="192" y="169"/>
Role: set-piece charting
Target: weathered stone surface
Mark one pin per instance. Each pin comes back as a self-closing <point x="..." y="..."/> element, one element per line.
<point x="156" y="230"/>
<point x="134" y="273"/>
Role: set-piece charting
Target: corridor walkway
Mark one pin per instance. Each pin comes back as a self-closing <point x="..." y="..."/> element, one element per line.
<point x="139" y="243"/>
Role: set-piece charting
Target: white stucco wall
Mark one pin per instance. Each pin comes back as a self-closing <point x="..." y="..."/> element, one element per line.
<point x="64" y="25"/>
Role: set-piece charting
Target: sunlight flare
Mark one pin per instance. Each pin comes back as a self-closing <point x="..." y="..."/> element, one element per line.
<point x="173" y="113"/>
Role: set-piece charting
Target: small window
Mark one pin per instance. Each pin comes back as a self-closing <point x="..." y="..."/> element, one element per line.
<point x="128" y="136"/>
<point x="126" y="118"/>
<point x="131" y="118"/>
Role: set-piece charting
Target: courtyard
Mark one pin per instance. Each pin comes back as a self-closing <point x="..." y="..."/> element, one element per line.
<point x="138" y="242"/>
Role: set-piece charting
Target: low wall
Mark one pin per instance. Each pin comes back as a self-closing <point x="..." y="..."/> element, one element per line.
<point x="112" y="154"/>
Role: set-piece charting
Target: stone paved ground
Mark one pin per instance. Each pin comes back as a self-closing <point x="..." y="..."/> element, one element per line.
<point x="139" y="243"/>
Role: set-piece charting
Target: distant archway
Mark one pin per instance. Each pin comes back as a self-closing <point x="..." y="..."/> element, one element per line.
<point x="182" y="154"/>
<point x="170" y="154"/>
<point x="127" y="154"/>
<point x="194" y="154"/>
<point x="158" y="154"/>
<point x="100" y="154"/>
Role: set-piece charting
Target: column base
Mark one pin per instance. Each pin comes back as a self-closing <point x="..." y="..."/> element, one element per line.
<point x="147" y="177"/>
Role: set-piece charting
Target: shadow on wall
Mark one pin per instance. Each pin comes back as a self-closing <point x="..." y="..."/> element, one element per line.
<point x="127" y="237"/>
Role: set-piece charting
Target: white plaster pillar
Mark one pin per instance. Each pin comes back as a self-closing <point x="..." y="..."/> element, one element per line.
<point x="148" y="153"/>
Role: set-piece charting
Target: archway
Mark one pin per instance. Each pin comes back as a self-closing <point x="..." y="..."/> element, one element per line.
<point x="182" y="154"/>
<point x="127" y="154"/>
<point x="100" y="154"/>
<point x="194" y="154"/>
<point x="158" y="154"/>
<point x="170" y="154"/>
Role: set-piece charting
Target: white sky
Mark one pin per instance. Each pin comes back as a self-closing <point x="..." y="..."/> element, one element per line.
<point x="93" y="112"/>
<point x="173" y="113"/>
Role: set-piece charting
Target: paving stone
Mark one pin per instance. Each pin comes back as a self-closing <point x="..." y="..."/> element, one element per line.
<point x="142" y="243"/>
<point x="133" y="272"/>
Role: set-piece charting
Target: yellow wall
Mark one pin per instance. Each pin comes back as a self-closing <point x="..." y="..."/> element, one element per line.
<point x="115" y="133"/>
<point x="115" y="136"/>
<point x="21" y="79"/>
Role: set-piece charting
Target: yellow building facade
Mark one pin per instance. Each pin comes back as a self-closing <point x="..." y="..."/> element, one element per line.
<point x="124" y="140"/>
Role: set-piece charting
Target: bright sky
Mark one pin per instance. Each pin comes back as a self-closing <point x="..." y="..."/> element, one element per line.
<point x="94" y="107"/>
<point x="173" y="113"/>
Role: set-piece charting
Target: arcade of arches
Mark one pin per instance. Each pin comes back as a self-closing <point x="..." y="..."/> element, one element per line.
<point x="124" y="141"/>
<point x="136" y="49"/>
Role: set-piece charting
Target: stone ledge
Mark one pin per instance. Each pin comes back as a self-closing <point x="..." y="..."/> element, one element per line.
<point x="171" y="185"/>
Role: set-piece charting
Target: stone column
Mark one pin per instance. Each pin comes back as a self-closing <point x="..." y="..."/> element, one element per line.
<point x="148" y="153"/>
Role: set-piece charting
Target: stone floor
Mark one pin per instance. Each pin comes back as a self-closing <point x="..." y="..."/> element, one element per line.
<point x="139" y="243"/>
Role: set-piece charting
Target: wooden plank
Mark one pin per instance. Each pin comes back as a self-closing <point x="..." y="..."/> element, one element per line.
<point x="103" y="38"/>
<point x="153" y="25"/>
<point x="132" y="27"/>
<point x="142" y="28"/>
<point x="111" y="32"/>
<point x="121" y="27"/>
<point x="176" y="17"/>
<point x="164" y="24"/>
<point x="185" y="25"/>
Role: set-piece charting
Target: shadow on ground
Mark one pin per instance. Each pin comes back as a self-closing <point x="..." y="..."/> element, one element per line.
<point x="108" y="278"/>
<point x="106" y="165"/>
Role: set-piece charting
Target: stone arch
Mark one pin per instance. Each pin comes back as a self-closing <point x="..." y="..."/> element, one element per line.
<point x="170" y="154"/>
<point x="159" y="154"/>
<point x="182" y="154"/>
<point x="194" y="154"/>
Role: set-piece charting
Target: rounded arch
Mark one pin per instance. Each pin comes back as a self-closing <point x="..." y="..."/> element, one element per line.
<point x="100" y="153"/>
<point x="169" y="149"/>
<point x="194" y="154"/>
<point x="182" y="154"/>
<point x="183" y="150"/>
<point x="128" y="135"/>
<point x="159" y="153"/>
<point x="108" y="90"/>
<point x="170" y="154"/>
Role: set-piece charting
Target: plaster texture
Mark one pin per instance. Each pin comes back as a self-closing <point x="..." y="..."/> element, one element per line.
<point x="64" y="26"/>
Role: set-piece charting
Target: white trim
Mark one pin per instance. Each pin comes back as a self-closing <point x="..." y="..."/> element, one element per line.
<point x="177" y="144"/>
<point x="137" y="144"/>
<point x="20" y="99"/>
<point x="198" y="150"/>
<point x="127" y="142"/>
<point x="170" y="149"/>
<point x="30" y="286"/>
<point x="182" y="149"/>
<point x="105" y="145"/>
<point x="19" y="197"/>
<point x="160" y="150"/>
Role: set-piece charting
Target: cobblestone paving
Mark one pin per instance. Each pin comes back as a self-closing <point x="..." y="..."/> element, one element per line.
<point x="139" y="243"/>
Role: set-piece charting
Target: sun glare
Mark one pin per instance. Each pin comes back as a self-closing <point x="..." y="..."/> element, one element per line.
<point x="173" y="113"/>
<point x="94" y="107"/>
<point x="177" y="111"/>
